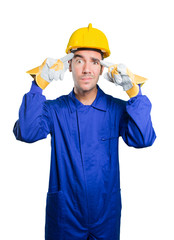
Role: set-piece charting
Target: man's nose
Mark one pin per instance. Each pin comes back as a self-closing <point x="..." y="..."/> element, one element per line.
<point x="86" y="68"/>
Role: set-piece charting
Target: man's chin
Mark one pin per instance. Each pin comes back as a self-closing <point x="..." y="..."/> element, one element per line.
<point x="88" y="87"/>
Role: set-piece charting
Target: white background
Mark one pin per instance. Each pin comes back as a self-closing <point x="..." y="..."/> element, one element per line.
<point x="140" y="35"/>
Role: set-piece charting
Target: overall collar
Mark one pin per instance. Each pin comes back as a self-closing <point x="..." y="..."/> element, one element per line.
<point x="99" y="103"/>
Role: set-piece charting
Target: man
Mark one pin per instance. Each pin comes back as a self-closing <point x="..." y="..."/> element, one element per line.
<point x="83" y="200"/>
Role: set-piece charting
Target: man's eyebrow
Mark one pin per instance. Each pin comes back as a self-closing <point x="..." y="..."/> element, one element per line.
<point x="92" y="58"/>
<point x="78" y="55"/>
<point x="95" y="59"/>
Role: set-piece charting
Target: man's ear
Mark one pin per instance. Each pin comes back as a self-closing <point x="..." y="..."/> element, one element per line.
<point x="101" y="71"/>
<point x="70" y="65"/>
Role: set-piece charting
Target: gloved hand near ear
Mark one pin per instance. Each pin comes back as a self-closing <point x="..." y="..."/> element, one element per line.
<point x="50" y="69"/>
<point x="121" y="75"/>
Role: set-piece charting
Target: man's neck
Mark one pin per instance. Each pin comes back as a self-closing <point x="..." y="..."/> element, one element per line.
<point x="86" y="97"/>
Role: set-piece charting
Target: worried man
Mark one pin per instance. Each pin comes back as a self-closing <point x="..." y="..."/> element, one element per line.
<point x="83" y="200"/>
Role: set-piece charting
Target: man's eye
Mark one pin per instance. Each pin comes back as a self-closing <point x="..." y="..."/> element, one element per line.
<point x="79" y="61"/>
<point x="95" y="62"/>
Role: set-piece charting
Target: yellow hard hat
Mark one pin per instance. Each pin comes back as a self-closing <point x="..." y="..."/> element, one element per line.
<point x="89" y="37"/>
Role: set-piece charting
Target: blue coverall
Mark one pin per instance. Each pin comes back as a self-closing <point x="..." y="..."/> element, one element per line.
<point x="83" y="200"/>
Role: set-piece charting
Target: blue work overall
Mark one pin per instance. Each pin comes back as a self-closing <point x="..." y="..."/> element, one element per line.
<point x="83" y="200"/>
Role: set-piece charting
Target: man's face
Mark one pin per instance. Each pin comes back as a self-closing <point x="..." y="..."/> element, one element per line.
<point x="86" y="69"/>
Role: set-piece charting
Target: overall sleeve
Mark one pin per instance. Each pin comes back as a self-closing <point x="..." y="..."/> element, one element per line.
<point x="135" y="125"/>
<point x="34" y="121"/>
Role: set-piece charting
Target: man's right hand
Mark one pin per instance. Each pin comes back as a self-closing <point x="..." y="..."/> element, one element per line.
<point x="51" y="69"/>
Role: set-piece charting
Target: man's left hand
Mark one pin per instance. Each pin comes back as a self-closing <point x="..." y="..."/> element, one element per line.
<point x="119" y="74"/>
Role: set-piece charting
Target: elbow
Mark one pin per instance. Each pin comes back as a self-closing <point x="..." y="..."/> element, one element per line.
<point x="22" y="137"/>
<point x="26" y="139"/>
<point x="148" y="141"/>
<point x="17" y="132"/>
<point x="22" y="134"/>
<point x="139" y="139"/>
<point x="151" y="141"/>
<point x="29" y="136"/>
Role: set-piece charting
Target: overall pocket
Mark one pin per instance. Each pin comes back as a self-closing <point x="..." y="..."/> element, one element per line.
<point x="54" y="226"/>
<point x="108" y="140"/>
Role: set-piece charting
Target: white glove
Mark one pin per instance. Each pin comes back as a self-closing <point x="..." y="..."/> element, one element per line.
<point x="55" y="68"/>
<point x="118" y="74"/>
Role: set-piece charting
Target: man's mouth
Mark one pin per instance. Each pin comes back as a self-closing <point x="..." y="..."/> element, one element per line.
<point x="87" y="77"/>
